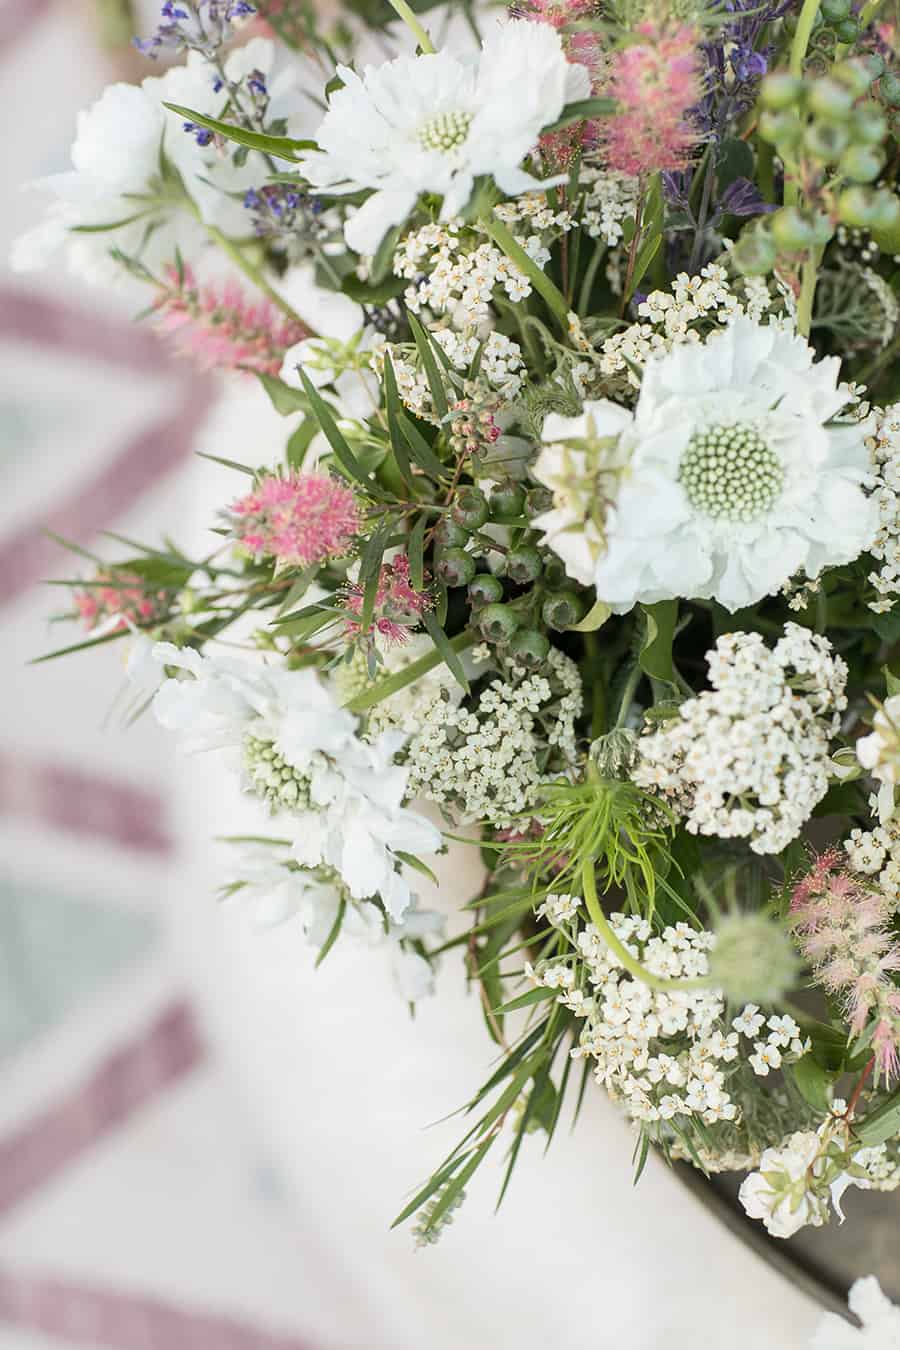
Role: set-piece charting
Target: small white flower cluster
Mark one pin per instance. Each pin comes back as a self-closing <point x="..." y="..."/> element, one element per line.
<point x="502" y="367"/>
<point x="749" y="758"/>
<point x="659" y="1052"/>
<point x="886" y="301"/>
<point x="876" y="853"/>
<point x="559" y="909"/>
<point x="884" y="447"/>
<point x="534" y="211"/>
<point x="278" y="891"/>
<point x="783" y="1035"/>
<point x="609" y="201"/>
<point x="683" y="315"/>
<point x="486" y="762"/>
<point x="450" y="278"/>
<point x="799" y="1182"/>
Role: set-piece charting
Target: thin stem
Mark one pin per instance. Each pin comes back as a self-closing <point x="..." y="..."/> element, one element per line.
<point x="240" y="259"/>
<point x="618" y="949"/>
<point x="631" y="684"/>
<point x="807" y="294"/>
<point x="857" y="1091"/>
<point x="587" y="285"/>
<point x="402" y="8"/>
<point x="802" y="35"/>
<point x="632" y="254"/>
<point x="702" y="214"/>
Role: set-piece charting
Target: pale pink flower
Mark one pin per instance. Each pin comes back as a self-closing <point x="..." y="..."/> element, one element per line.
<point x="113" y="595"/>
<point x="299" y="519"/>
<point x="581" y="49"/>
<point x="220" y="327"/>
<point x="655" y="82"/>
<point x="398" y="605"/>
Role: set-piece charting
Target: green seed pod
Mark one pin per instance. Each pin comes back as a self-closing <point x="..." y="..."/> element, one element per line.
<point x="539" y="500"/>
<point x="868" y="125"/>
<point x="507" y="501"/>
<point x="485" y="589"/>
<point x="826" y="141"/>
<point x="753" y="958"/>
<point x="889" y="88"/>
<point x="885" y="220"/>
<point x="523" y="565"/>
<point x="470" y="509"/>
<point x="780" y="90"/>
<point x="780" y="128"/>
<point x="448" y="534"/>
<point x="561" y="610"/>
<point x="856" y="207"/>
<point x="754" y="253"/>
<point x="792" y="230"/>
<point x="554" y="573"/>
<point x="497" y="623"/>
<point x="530" y="648"/>
<point x="830" y="100"/>
<point x="836" y="10"/>
<point x="455" y="567"/>
<point x="873" y="64"/>
<point x="861" y="164"/>
<point x="847" y="31"/>
<point x="853" y="75"/>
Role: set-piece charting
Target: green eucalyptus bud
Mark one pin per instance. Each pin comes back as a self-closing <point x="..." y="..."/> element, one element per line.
<point x="470" y="508"/>
<point x="561" y="610"/>
<point x="530" y="648"/>
<point x="831" y="100"/>
<point x="448" y="534"/>
<point x="455" y="567"/>
<point x="780" y="90"/>
<point x="861" y="164"/>
<point x="826" y="141"/>
<point x="523" y="565"/>
<point x="497" y="623"/>
<point x="485" y="589"/>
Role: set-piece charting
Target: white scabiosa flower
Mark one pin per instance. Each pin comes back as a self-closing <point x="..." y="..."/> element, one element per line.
<point x="737" y="475"/>
<point x="435" y="123"/>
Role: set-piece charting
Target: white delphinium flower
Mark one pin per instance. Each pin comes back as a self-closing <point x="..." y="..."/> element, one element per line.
<point x="485" y="762"/>
<point x="301" y="753"/>
<point x="880" y="1320"/>
<point x="737" y="475"/>
<point x="278" y="891"/>
<point x="749" y="758"/>
<point x="435" y="123"/>
<point x="119" y="178"/>
<point x="884" y="449"/>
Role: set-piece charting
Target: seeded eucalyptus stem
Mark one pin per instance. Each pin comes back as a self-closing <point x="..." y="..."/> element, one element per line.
<point x="402" y="8"/>
<point x="618" y="949"/>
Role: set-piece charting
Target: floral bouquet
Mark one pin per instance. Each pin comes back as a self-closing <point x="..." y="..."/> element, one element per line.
<point x="584" y="549"/>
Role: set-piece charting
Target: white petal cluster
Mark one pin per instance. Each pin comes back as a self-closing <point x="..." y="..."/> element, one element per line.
<point x="486" y="762"/>
<point x="738" y="475"/>
<point x="749" y="758"/>
<point x="435" y="123"/>
<point x="610" y="200"/>
<point x="278" y="891"/>
<point x="301" y="753"/>
<point x="502" y="367"/>
<point x="876" y="853"/>
<point x="661" y="1053"/>
<point x="116" y="180"/>
<point x="884" y="448"/>
<point x="880" y="1319"/>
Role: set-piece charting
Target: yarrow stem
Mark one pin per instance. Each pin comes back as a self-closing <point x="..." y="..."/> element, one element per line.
<point x="619" y="950"/>
<point x="403" y="10"/>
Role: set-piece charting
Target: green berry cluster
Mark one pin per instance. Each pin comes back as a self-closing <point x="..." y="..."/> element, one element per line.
<point x="513" y="605"/>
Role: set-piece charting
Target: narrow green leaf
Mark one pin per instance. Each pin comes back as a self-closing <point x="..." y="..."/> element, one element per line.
<point x="595" y="618"/>
<point x="445" y="648"/>
<point x="333" y="434"/>
<point x="414" y="671"/>
<point x="812" y="1082"/>
<point x="299" y="442"/>
<point x="283" y="398"/>
<point x="370" y="573"/>
<point x="433" y="375"/>
<point x="527" y="1000"/>
<point x="393" y="409"/>
<point x="416" y="552"/>
<point x="283" y="147"/>
<point x="552" y="297"/>
<point x="581" y="111"/>
<point x="419" y="448"/>
<point x="880" y="1125"/>
<point x="655" y="657"/>
<point x="333" y="934"/>
<point x="228" y="463"/>
<point x="79" y="646"/>
<point x="410" y="860"/>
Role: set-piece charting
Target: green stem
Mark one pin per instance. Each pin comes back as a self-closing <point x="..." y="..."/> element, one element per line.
<point x="802" y="35"/>
<point x="394" y="683"/>
<point x="412" y="23"/>
<point x="590" y="275"/>
<point x="631" y="684"/>
<point x="807" y="294"/>
<point x="252" y="272"/>
<point x="618" y="949"/>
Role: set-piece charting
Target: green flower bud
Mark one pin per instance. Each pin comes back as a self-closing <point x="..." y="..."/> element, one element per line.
<point x="485" y="589"/>
<point x="869" y="124"/>
<point x="885" y="218"/>
<point x="539" y="500"/>
<point x="792" y="229"/>
<point x="889" y="88"/>
<point x="831" y="100"/>
<point x="861" y="164"/>
<point x="835" y="10"/>
<point x="780" y="90"/>
<point x="847" y="31"/>
<point x="507" y="501"/>
<point x="754" y="253"/>
<point x="853" y="75"/>
<point x="455" y="567"/>
<point x="856" y="207"/>
<point x="614" y="753"/>
<point x="753" y="960"/>
<point x="780" y="128"/>
<point x="523" y="565"/>
<point x="470" y="509"/>
<point x="873" y="65"/>
<point x="530" y="648"/>
<point x="497" y="623"/>
<point x="826" y="141"/>
<point x="448" y="534"/>
<point x="561" y="610"/>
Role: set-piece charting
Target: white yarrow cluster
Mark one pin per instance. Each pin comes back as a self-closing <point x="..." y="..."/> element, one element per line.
<point x="502" y="367"/>
<point x="300" y="751"/>
<point x="610" y="200"/>
<point x="884" y="448"/>
<point x="486" y="762"/>
<point x="749" y="758"/>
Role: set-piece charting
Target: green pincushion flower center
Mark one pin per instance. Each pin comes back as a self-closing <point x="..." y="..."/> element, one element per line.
<point x="445" y="131"/>
<point x="731" y="473"/>
<point x="272" y="778"/>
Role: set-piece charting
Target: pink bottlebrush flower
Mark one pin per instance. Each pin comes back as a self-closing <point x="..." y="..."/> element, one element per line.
<point x="299" y="519"/>
<point x="118" y="595"/>
<point x="583" y="49"/>
<point x="655" y="82"/>
<point x="220" y="327"/>
<point x="398" y="605"/>
<point x="844" y="926"/>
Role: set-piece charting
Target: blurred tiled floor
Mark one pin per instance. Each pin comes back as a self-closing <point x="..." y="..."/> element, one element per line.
<point x="136" y="1209"/>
